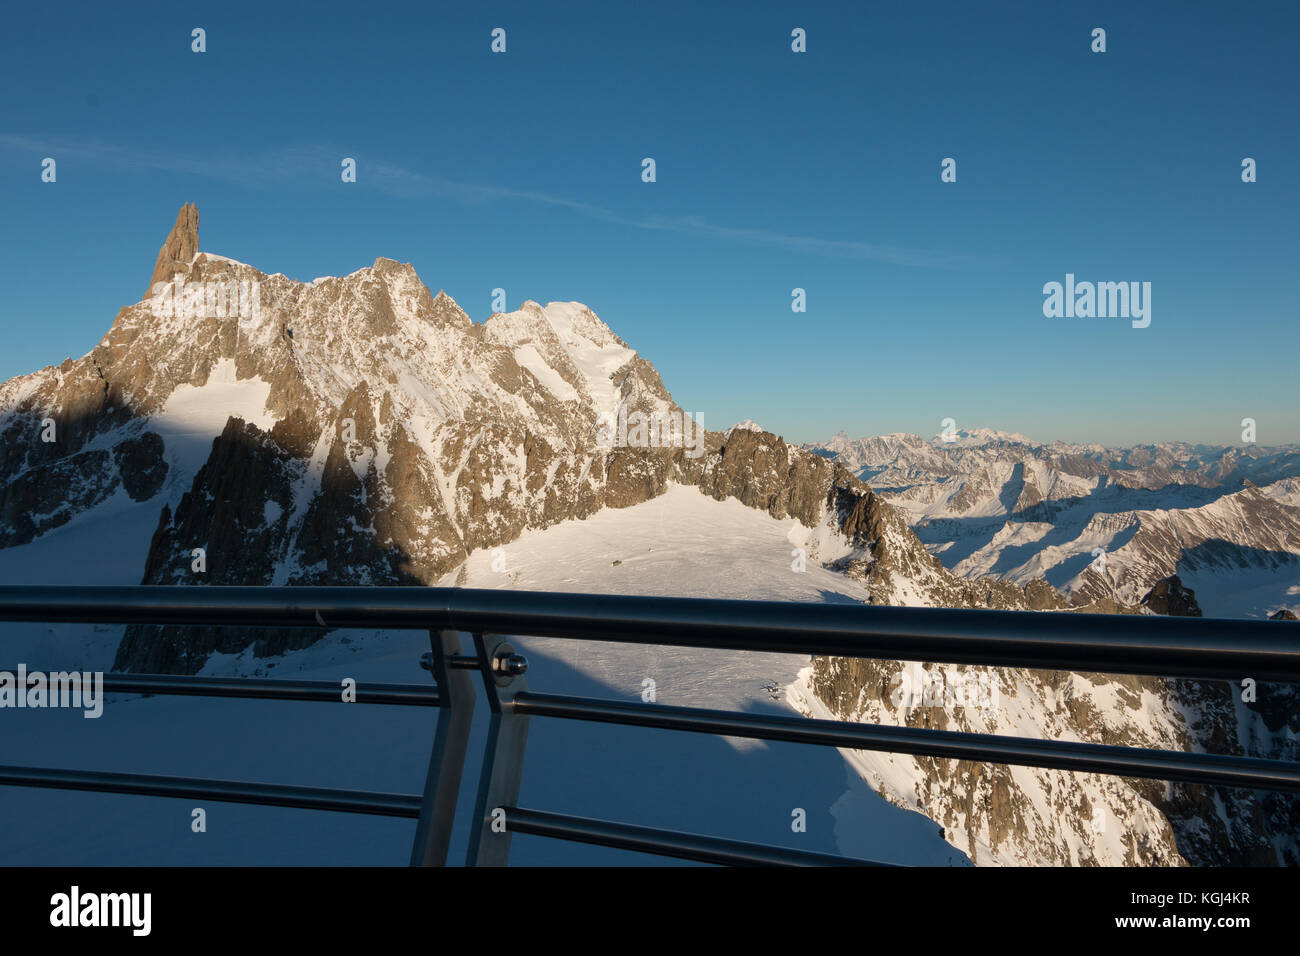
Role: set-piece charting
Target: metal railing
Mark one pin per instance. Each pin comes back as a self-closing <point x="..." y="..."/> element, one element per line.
<point x="1113" y="644"/>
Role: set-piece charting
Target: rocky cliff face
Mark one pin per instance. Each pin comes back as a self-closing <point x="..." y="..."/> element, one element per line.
<point x="179" y="249"/>
<point x="1169" y="596"/>
<point x="1023" y="815"/>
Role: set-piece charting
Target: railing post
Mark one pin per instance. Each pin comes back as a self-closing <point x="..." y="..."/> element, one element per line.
<point x="503" y="757"/>
<point x="447" y="762"/>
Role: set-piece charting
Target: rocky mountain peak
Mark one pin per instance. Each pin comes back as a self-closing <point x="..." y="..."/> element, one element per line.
<point x="748" y="425"/>
<point x="1171" y="596"/>
<point x="180" y="247"/>
<point x="445" y="311"/>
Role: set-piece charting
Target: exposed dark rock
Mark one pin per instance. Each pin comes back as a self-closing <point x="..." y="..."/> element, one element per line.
<point x="141" y="464"/>
<point x="49" y="495"/>
<point x="1169" y="596"/>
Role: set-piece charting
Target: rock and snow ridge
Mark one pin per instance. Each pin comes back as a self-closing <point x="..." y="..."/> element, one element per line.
<point x="353" y="430"/>
<point x="1225" y="518"/>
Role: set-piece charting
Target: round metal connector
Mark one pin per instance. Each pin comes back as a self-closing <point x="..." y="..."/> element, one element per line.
<point x="507" y="665"/>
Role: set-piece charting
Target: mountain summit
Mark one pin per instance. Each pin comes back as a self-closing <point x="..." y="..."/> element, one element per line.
<point x="357" y="430"/>
<point x="179" y="249"/>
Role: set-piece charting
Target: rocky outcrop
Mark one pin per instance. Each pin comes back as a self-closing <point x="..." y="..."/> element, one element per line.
<point x="999" y="814"/>
<point x="226" y="530"/>
<point x="1023" y="815"/>
<point x="1170" y="597"/>
<point x="141" y="465"/>
<point x="181" y="246"/>
<point x="42" y="498"/>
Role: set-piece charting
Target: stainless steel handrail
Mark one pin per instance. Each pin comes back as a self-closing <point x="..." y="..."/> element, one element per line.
<point x="1139" y="644"/>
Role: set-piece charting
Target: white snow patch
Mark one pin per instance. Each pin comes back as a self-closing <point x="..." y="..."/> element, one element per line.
<point x="748" y="425"/>
<point x="196" y="414"/>
<point x="596" y="358"/>
<point x="531" y="359"/>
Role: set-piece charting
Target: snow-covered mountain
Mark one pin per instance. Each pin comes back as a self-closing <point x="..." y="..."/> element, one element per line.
<point x="1094" y="522"/>
<point x="1172" y="528"/>
<point x="356" y="430"/>
<point x="235" y="427"/>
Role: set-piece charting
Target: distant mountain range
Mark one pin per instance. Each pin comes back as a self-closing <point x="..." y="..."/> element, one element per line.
<point x="1226" y="520"/>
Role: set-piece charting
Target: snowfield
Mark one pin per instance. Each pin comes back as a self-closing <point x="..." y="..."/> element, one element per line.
<point x="682" y="543"/>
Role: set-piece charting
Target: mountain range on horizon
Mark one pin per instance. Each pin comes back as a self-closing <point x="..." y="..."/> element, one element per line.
<point x="983" y="436"/>
<point x="235" y="427"/>
<point x="1094" y="521"/>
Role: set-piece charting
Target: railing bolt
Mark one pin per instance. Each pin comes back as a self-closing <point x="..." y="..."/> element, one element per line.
<point x="426" y="661"/>
<point x="510" y="665"/>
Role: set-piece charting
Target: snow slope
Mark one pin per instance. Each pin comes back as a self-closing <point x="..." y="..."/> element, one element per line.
<point x="681" y="543"/>
<point x="196" y="414"/>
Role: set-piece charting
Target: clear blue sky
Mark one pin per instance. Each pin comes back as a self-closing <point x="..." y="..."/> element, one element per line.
<point x="775" y="170"/>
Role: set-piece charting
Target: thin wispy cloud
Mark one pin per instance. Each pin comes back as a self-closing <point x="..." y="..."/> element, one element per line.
<point x="298" y="165"/>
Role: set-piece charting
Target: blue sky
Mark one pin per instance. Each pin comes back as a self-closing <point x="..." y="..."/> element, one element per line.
<point x="775" y="170"/>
